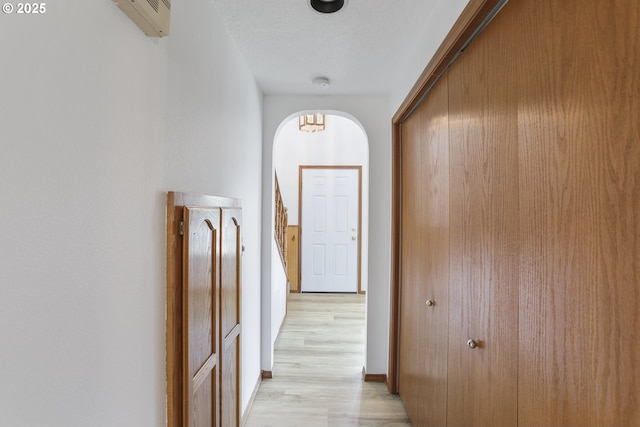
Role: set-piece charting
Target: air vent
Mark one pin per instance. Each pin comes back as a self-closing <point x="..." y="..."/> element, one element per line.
<point x="152" y="16"/>
<point x="154" y="4"/>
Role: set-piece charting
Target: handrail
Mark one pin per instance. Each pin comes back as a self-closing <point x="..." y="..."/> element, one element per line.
<point x="281" y="224"/>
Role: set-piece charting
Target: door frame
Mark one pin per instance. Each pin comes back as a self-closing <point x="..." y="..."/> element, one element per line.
<point x="473" y="18"/>
<point x="300" y="230"/>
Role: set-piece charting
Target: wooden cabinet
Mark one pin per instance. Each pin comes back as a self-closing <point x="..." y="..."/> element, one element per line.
<point x="530" y="163"/>
<point x="204" y="253"/>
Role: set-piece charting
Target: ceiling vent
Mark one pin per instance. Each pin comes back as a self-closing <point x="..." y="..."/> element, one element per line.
<point x="152" y="16"/>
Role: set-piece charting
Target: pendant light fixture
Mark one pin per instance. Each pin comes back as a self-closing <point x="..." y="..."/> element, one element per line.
<point x="315" y="122"/>
<point x="311" y="122"/>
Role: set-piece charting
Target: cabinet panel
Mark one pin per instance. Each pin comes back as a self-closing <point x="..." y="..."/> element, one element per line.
<point x="200" y="311"/>
<point x="230" y="317"/>
<point x="484" y="220"/>
<point x="204" y="259"/>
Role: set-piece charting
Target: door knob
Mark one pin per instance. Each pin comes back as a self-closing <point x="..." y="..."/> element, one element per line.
<point x="430" y="303"/>
<point x="472" y="344"/>
<point x="353" y="237"/>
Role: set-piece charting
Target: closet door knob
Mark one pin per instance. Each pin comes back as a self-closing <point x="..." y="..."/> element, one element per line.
<point x="472" y="344"/>
<point x="430" y="303"/>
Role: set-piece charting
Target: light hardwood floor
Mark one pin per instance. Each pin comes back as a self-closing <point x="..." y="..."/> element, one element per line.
<point x="317" y="376"/>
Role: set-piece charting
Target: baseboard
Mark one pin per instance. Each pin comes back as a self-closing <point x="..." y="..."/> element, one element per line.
<point x="374" y="378"/>
<point x="256" y="387"/>
<point x="267" y="375"/>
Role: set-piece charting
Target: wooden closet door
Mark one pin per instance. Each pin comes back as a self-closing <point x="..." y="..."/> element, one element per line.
<point x="411" y="280"/>
<point x="230" y="318"/>
<point x="580" y="176"/>
<point x="200" y="315"/>
<point x="425" y="273"/>
<point x="484" y="215"/>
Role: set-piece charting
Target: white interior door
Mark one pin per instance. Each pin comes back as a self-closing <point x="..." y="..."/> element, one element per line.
<point x="329" y="229"/>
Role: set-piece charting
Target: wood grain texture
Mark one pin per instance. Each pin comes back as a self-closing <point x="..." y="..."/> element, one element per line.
<point x="396" y="256"/>
<point x="317" y="376"/>
<point x="425" y="267"/>
<point x="433" y="328"/>
<point x="484" y="221"/>
<point x="230" y="316"/>
<point x="175" y="214"/>
<point x="293" y="259"/>
<point x="545" y="219"/>
<point x="409" y="358"/>
<point x="580" y="203"/>
<point x="200" y="316"/>
<point x="471" y="18"/>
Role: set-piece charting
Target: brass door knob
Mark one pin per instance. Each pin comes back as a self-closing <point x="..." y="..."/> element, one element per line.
<point x="472" y="344"/>
<point x="430" y="303"/>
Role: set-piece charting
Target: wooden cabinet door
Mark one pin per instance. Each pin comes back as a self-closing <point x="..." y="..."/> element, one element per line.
<point x="200" y="316"/>
<point x="230" y="318"/>
<point x="484" y="251"/>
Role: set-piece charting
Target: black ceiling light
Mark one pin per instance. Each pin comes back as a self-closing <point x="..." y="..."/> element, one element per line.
<point x="327" y="6"/>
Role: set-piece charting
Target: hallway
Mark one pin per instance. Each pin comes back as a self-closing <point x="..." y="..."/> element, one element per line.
<point x="318" y="370"/>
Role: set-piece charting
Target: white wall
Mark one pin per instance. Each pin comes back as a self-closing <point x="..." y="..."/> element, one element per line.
<point x="278" y="293"/>
<point x="97" y="122"/>
<point x="418" y="55"/>
<point x="343" y="142"/>
<point x="374" y="115"/>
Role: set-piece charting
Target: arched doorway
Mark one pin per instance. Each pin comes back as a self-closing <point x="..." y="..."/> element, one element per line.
<point x="343" y="142"/>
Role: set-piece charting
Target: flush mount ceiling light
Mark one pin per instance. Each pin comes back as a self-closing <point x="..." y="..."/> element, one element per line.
<point x="321" y="82"/>
<point x="327" y="6"/>
<point x="311" y="122"/>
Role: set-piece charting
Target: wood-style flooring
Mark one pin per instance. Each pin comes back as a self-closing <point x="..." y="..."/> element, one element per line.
<point x="317" y="376"/>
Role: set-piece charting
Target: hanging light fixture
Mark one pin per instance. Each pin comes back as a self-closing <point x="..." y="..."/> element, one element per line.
<point x="311" y="122"/>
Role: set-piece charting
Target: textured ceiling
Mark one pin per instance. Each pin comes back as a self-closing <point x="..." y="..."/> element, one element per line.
<point x="360" y="48"/>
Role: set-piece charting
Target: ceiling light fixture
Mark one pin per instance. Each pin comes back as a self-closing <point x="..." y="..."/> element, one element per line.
<point x="327" y="6"/>
<point x="321" y="82"/>
<point x="311" y="122"/>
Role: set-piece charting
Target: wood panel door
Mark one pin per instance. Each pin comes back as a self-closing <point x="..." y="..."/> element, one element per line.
<point x="425" y="266"/>
<point x="580" y="175"/>
<point x="409" y="356"/>
<point x="434" y="298"/>
<point x="230" y="311"/>
<point x="329" y="228"/>
<point x="200" y="316"/>
<point x="484" y="221"/>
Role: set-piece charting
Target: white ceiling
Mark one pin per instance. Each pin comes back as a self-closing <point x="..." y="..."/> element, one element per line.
<point x="360" y="49"/>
